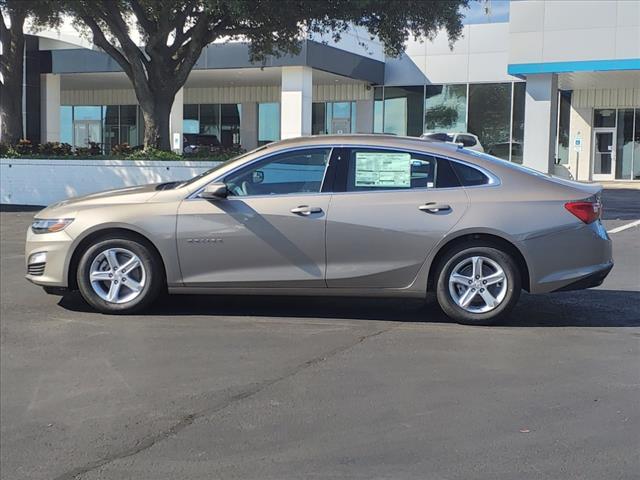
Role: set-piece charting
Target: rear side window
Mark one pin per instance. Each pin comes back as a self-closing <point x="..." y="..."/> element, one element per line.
<point x="376" y="170"/>
<point x="371" y="169"/>
<point x="469" y="176"/>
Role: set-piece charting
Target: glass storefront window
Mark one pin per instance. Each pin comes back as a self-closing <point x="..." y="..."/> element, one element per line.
<point x="230" y="124"/>
<point x="107" y="125"/>
<point x="318" y="119"/>
<point x="190" y="119"/>
<point x="210" y="121"/>
<point x="340" y="117"/>
<point x="624" y="144"/>
<point x="87" y="125"/>
<point x="128" y="124"/>
<point x="268" y="123"/>
<point x="445" y="108"/>
<point x="490" y="117"/>
<point x="403" y="110"/>
<point x="111" y="134"/>
<point x="604" y="117"/>
<point x="66" y="124"/>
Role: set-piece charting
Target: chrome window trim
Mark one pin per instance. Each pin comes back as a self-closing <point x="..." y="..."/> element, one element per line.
<point x="494" y="181"/>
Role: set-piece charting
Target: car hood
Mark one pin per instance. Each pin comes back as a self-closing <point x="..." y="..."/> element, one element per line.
<point x="133" y="195"/>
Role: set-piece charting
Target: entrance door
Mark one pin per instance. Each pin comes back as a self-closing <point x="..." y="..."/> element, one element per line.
<point x="604" y="153"/>
<point x="86" y="131"/>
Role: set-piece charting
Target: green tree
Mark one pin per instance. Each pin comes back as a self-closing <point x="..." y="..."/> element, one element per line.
<point x="14" y="15"/>
<point x="174" y="32"/>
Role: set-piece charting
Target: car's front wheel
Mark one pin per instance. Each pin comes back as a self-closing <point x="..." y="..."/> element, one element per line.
<point x="478" y="284"/>
<point x="119" y="275"/>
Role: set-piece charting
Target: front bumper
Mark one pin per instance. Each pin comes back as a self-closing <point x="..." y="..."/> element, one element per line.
<point x="57" y="247"/>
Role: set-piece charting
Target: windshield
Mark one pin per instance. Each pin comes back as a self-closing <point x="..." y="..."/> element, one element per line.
<point x="220" y="165"/>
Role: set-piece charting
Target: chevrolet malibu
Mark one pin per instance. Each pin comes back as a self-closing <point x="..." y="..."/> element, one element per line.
<point x="360" y="215"/>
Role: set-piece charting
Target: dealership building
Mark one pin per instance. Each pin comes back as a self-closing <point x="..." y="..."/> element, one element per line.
<point x="556" y="87"/>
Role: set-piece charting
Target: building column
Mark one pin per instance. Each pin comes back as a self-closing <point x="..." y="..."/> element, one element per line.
<point x="249" y="125"/>
<point x="580" y="121"/>
<point x="175" y="122"/>
<point x="50" y="107"/>
<point x="540" y="121"/>
<point x="296" y="101"/>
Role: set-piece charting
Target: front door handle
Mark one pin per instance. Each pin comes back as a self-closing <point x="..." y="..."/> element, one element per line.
<point x="306" y="210"/>
<point x="433" y="207"/>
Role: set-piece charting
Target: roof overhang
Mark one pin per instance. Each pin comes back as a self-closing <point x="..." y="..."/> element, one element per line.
<point x="235" y="55"/>
<point x="524" y="69"/>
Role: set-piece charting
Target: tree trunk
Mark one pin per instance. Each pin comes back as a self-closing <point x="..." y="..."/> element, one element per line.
<point x="157" y="121"/>
<point x="11" y="95"/>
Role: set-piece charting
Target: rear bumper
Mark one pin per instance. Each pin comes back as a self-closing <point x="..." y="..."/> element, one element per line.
<point x="592" y="280"/>
<point x="569" y="258"/>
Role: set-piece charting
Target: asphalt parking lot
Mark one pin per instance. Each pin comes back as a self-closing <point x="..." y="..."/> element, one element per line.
<point x="289" y="388"/>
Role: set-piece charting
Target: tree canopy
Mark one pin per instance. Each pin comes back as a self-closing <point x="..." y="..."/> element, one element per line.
<point x="157" y="42"/>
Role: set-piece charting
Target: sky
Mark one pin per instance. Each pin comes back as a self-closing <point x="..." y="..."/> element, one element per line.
<point x="499" y="11"/>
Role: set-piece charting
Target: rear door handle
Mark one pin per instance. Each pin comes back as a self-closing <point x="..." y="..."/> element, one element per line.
<point x="306" y="210"/>
<point x="433" y="207"/>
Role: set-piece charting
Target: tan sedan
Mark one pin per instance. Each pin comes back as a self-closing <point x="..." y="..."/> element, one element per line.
<point x="359" y="215"/>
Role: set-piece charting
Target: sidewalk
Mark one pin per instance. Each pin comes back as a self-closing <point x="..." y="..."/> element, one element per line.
<point x="621" y="184"/>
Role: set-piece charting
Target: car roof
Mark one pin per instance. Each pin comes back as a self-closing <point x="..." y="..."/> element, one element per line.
<point x="368" y="140"/>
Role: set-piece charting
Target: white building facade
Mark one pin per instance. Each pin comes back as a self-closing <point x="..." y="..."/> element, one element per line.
<point x="556" y="88"/>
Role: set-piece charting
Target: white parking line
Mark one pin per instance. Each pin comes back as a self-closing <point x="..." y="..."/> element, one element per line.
<point x="624" y="227"/>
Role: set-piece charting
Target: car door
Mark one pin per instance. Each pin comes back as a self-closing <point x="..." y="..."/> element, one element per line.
<point x="269" y="231"/>
<point x="388" y="216"/>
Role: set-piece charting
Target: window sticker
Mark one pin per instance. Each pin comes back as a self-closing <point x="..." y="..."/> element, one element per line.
<point x="383" y="169"/>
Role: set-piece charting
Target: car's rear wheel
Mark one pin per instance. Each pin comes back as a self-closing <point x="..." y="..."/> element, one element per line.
<point x="119" y="275"/>
<point x="478" y="284"/>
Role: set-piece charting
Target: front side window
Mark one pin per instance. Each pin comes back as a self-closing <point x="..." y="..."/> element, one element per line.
<point x="301" y="171"/>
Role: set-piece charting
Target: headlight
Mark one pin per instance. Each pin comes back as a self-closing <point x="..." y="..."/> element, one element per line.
<point x="50" y="226"/>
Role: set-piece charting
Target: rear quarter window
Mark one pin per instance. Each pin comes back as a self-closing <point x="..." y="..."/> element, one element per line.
<point x="469" y="176"/>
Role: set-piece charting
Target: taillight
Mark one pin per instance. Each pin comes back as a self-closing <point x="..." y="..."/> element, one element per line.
<point x="588" y="212"/>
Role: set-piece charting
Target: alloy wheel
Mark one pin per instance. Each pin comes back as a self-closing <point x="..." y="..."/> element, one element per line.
<point x="478" y="284"/>
<point x="117" y="275"/>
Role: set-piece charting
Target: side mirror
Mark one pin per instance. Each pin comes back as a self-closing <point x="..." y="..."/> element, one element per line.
<point x="214" y="191"/>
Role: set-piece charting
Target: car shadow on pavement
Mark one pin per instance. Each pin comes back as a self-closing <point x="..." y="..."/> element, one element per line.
<point x="585" y="308"/>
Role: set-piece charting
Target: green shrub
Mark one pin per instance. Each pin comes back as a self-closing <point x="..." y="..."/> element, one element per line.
<point x="95" y="149"/>
<point x="153" y="154"/>
<point x="62" y="150"/>
<point x="24" y="147"/>
<point x="56" y="149"/>
<point x="7" y="151"/>
<point x="122" y="149"/>
<point x="215" y="153"/>
<point x="83" y="152"/>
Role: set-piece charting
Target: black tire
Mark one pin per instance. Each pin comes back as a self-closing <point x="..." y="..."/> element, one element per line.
<point x="467" y="251"/>
<point x="152" y="264"/>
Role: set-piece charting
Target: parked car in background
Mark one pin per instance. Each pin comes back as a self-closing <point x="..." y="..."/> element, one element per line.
<point x="356" y="215"/>
<point x="467" y="140"/>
